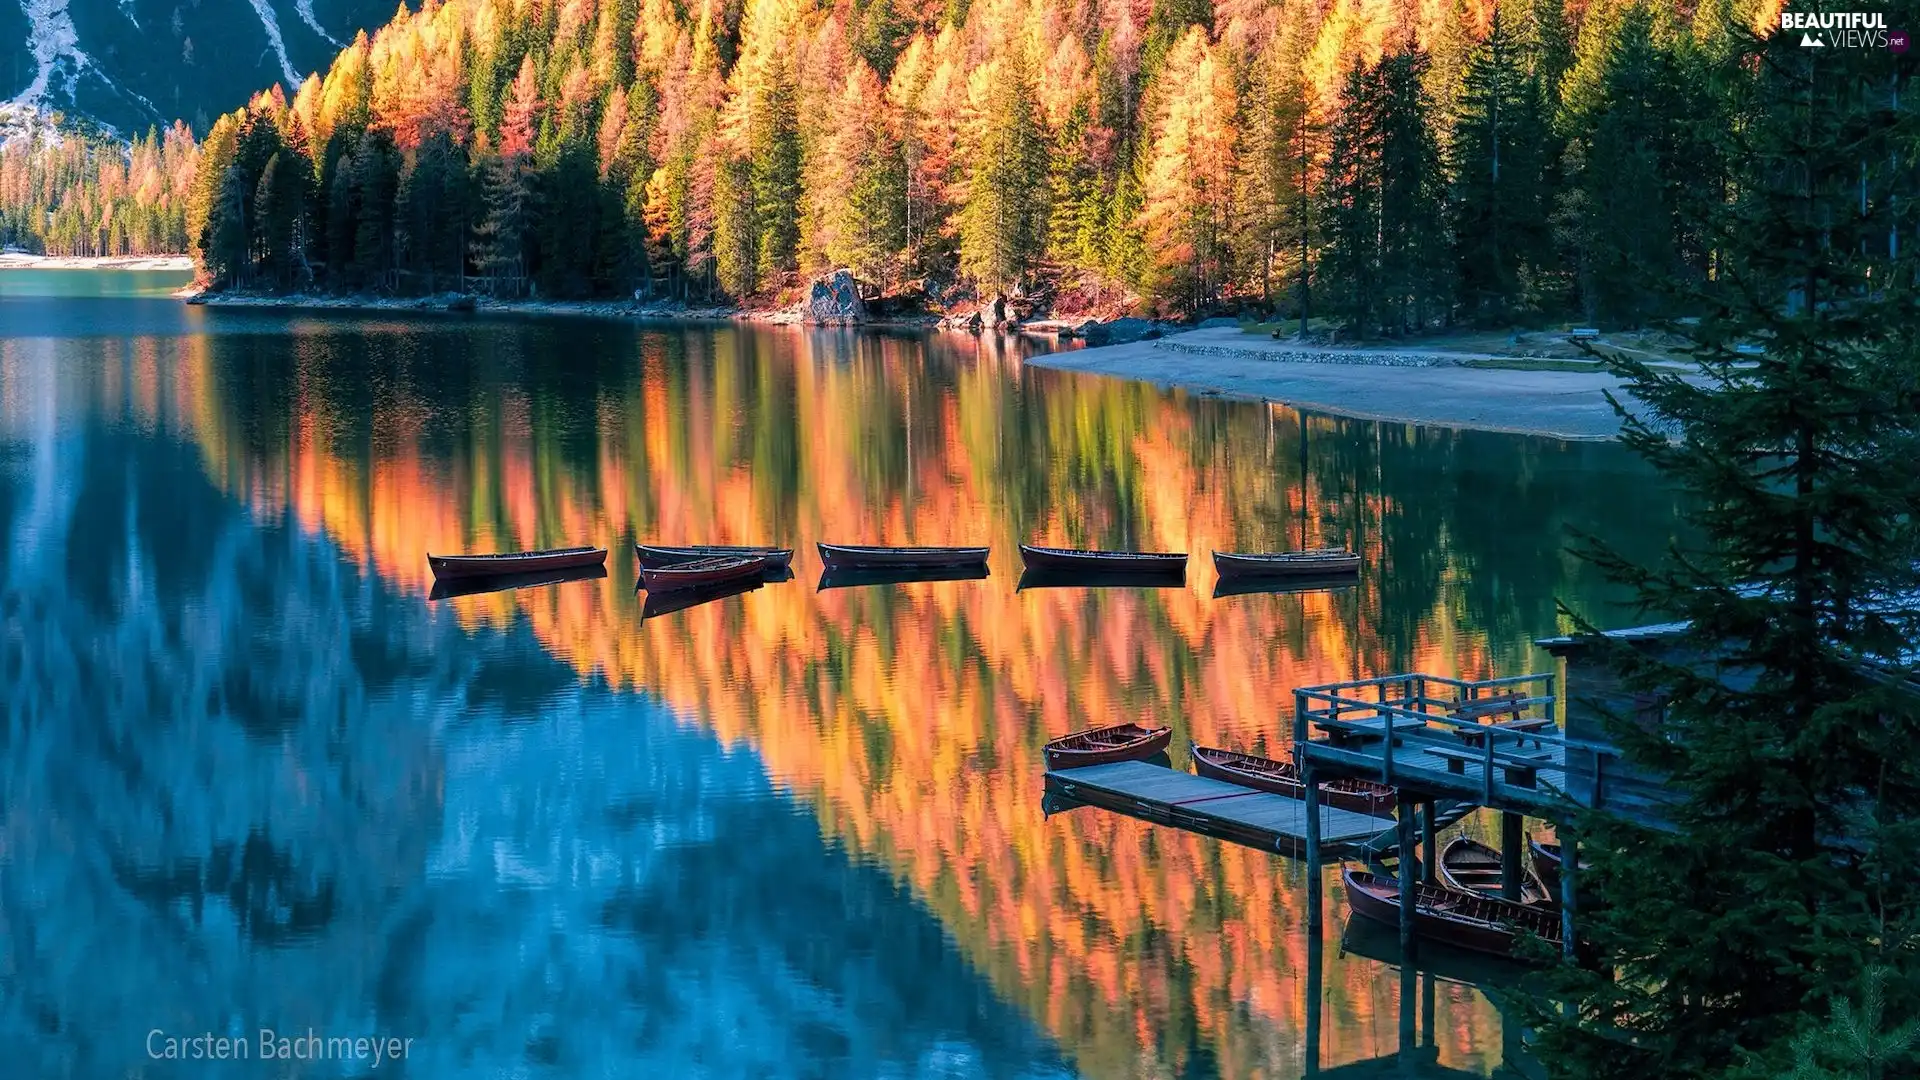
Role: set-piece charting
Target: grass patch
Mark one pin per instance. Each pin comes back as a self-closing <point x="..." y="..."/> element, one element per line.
<point x="1289" y="327"/>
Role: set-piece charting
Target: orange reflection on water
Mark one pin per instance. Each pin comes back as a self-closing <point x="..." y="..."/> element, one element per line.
<point x="912" y="720"/>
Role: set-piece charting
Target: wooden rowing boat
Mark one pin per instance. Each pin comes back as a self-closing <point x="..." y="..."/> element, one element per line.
<point x="700" y="573"/>
<point x="1111" y="562"/>
<point x="859" y="557"/>
<point x="672" y="600"/>
<point x="1471" y="866"/>
<point x="1458" y="918"/>
<point x="843" y="579"/>
<point x="654" y="556"/>
<point x="471" y="586"/>
<point x="1281" y="778"/>
<point x="1546" y="861"/>
<point x="515" y="562"/>
<point x="1320" y="561"/>
<point x="1104" y="745"/>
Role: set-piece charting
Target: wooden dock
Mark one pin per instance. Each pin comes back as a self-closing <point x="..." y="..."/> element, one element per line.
<point x="1243" y="815"/>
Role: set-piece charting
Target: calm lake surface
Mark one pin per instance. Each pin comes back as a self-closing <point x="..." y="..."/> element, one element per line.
<point x="254" y="777"/>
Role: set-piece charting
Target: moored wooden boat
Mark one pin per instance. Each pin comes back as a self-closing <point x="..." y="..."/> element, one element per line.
<point x="843" y="579"/>
<point x="1109" y="562"/>
<point x="1547" y="860"/>
<point x="1280" y="777"/>
<point x="471" y="586"/>
<point x="700" y="573"/>
<point x="1320" y="562"/>
<point x="867" y="557"/>
<point x="1458" y="918"/>
<point x="515" y="562"/>
<point x="1471" y="866"/>
<point x="653" y="556"/>
<point x="1104" y="745"/>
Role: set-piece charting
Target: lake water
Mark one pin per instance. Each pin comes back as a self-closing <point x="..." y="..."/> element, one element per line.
<point x="253" y="777"/>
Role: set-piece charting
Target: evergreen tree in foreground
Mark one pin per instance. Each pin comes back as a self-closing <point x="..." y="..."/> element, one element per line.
<point x="1788" y="890"/>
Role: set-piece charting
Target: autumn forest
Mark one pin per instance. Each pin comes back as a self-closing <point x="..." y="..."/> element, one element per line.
<point x="1396" y="164"/>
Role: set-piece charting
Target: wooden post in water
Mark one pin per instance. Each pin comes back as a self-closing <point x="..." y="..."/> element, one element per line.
<point x="1316" y="951"/>
<point x="1569" y="862"/>
<point x="1511" y="841"/>
<point x="1430" y="847"/>
<point x="1404" y="811"/>
<point x="1311" y="790"/>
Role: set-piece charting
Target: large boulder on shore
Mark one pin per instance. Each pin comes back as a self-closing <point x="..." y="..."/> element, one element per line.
<point x="1117" y="332"/>
<point x="835" y="300"/>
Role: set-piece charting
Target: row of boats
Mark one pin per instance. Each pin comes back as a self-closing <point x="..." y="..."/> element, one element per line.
<point x="1465" y="908"/>
<point x="666" y="568"/>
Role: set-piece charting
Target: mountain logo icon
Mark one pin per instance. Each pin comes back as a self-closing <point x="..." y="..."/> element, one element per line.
<point x="1808" y="41"/>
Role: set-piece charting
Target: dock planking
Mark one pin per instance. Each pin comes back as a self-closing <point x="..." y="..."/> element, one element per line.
<point x="1243" y="815"/>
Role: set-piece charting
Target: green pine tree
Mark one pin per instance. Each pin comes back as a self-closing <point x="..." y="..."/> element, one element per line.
<point x="1003" y="225"/>
<point x="1790" y="878"/>
<point x="1497" y="160"/>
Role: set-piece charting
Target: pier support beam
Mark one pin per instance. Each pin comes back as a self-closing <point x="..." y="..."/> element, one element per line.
<point x="1512" y="840"/>
<point x="1316" y="995"/>
<point x="1310" y="782"/>
<point x="1569" y="870"/>
<point x="1404" y="808"/>
<point x="1430" y="844"/>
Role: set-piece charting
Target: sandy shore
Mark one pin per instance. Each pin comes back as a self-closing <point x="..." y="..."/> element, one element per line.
<point x="17" y="260"/>
<point x="1393" y="384"/>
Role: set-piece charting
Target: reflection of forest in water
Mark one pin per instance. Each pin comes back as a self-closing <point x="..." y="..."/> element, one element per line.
<point x="309" y="741"/>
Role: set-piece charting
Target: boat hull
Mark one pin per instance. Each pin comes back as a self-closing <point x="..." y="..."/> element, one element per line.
<point x="701" y="573"/>
<point x="1546" y="864"/>
<point x="1249" y="771"/>
<point x="1286" y="564"/>
<point x="517" y="562"/>
<point x="1151" y="741"/>
<point x="655" y="556"/>
<point x="1446" y="914"/>
<point x="1104" y="562"/>
<point x="860" y="557"/>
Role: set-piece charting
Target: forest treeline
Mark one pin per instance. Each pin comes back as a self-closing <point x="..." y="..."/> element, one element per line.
<point x="80" y="193"/>
<point x="1394" y="164"/>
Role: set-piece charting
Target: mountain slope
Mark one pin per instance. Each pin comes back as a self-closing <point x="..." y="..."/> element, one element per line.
<point x="133" y="63"/>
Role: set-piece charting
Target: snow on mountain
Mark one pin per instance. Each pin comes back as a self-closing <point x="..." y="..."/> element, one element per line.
<point x="129" y="64"/>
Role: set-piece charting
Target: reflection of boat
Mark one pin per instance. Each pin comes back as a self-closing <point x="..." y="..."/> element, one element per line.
<point x="1471" y="866"/>
<point x="1279" y="777"/>
<point x="857" y="557"/>
<point x="1071" y="579"/>
<point x="470" y="586"/>
<point x="842" y="579"/>
<point x="1317" y="562"/>
<point x="1109" y="562"/>
<point x="1265" y="586"/>
<point x="665" y="603"/>
<point x="1457" y="918"/>
<point x="1104" y="745"/>
<point x="653" y="556"/>
<point x="515" y="562"/>
<point x="1437" y="958"/>
<point x="699" y="572"/>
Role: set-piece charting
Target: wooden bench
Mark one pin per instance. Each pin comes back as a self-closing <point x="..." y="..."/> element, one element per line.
<point x="1522" y="770"/>
<point x="1513" y="704"/>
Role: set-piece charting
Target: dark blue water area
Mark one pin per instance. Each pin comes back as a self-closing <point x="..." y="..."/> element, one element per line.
<point x="245" y="785"/>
